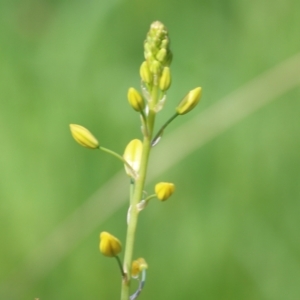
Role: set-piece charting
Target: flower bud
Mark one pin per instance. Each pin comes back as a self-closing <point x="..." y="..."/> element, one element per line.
<point x="165" y="43"/>
<point x="161" y="55"/>
<point x="138" y="266"/>
<point x="165" y="79"/>
<point x="133" y="155"/>
<point x="135" y="99"/>
<point x="164" y="190"/>
<point x="84" y="137"/>
<point x="109" y="244"/>
<point x="189" y="101"/>
<point x="145" y="72"/>
<point x="155" y="67"/>
<point x="157" y="47"/>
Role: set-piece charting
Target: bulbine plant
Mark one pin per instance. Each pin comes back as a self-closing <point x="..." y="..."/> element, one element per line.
<point x="155" y="81"/>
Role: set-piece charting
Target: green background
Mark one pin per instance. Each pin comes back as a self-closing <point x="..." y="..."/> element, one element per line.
<point x="230" y="231"/>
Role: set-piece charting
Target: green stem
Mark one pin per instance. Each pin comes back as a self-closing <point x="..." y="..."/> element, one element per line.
<point x="144" y="124"/>
<point x="150" y="197"/>
<point x="160" y="132"/>
<point x="120" y="266"/>
<point x="137" y="196"/>
<point x="121" y="158"/>
<point x="131" y="189"/>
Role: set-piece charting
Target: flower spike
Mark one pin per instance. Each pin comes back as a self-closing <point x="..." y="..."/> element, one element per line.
<point x="156" y="48"/>
<point x="155" y="80"/>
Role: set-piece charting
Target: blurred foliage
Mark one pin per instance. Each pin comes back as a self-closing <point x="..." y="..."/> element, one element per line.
<point x="231" y="230"/>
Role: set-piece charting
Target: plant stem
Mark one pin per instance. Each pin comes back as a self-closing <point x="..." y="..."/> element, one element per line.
<point x="120" y="265"/>
<point x="160" y="132"/>
<point x="121" y="158"/>
<point x="137" y="196"/>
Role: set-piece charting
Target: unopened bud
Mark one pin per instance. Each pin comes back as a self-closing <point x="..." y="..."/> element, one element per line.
<point x="145" y="72"/>
<point x="133" y="155"/>
<point x="161" y="54"/>
<point x="135" y="99"/>
<point x="155" y="67"/>
<point x="109" y="244"/>
<point x="164" y="190"/>
<point x="84" y="137"/>
<point x="189" y="101"/>
<point x="165" y="43"/>
<point x="165" y="79"/>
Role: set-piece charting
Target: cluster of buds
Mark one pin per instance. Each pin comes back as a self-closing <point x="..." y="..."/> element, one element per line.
<point x="155" y="76"/>
<point x="158" y="57"/>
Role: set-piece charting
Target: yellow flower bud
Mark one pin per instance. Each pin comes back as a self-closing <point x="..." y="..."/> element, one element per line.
<point x="138" y="266"/>
<point x="109" y="244"/>
<point x="165" y="79"/>
<point x="164" y="190"/>
<point x="83" y="136"/>
<point x="145" y="72"/>
<point x="189" y="101"/>
<point x="133" y="155"/>
<point x="135" y="99"/>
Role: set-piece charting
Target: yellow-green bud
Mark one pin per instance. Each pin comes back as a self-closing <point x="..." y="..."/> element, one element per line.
<point x="189" y="101"/>
<point x="84" y="137"/>
<point x="109" y="245"/>
<point x="138" y="266"/>
<point x="161" y="54"/>
<point x="165" y="79"/>
<point x="165" y="43"/>
<point x="133" y="155"/>
<point x="145" y="72"/>
<point x="155" y="67"/>
<point x="135" y="99"/>
<point x="164" y="190"/>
